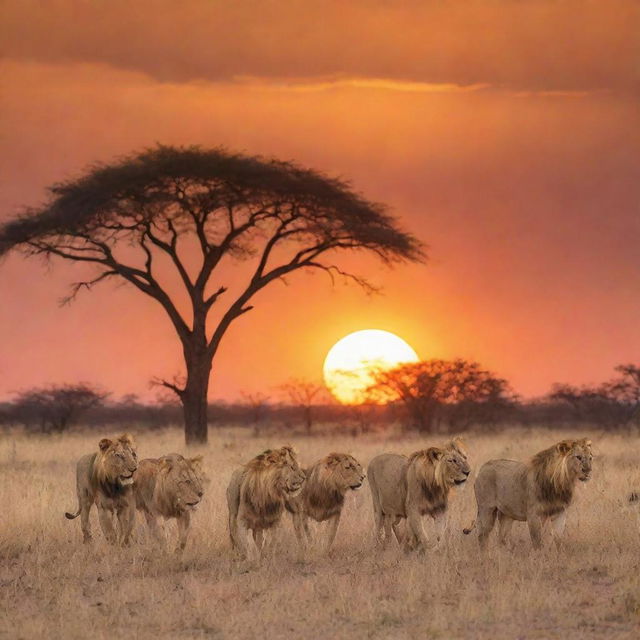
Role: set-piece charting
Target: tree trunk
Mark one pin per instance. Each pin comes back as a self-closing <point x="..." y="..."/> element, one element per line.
<point x="194" y="399"/>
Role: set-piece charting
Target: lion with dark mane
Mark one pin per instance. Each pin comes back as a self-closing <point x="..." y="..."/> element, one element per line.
<point x="256" y="497"/>
<point x="323" y="493"/>
<point x="409" y="488"/>
<point x="539" y="492"/>
<point x="106" y="479"/>
<point x="171" y="487"/>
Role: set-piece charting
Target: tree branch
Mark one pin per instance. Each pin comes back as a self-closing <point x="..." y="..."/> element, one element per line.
<point x="214" y="296"/>
<point x="369" y="288"/>
<point x="143" y="280"/>
<point x="76" y="286"/>
<point x="170" y="248"/>
<point x="159" y="382"/>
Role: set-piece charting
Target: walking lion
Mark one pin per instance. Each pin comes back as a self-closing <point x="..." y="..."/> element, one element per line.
<point x="322" y="495"/>
<point x="256" y="497"/>
<point x="106" y="479"/>
<point x="409" y="488"/>
<point x="539" y="492"/>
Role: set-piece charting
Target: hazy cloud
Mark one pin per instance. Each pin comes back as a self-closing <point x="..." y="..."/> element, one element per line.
<point x="528" y="45"/>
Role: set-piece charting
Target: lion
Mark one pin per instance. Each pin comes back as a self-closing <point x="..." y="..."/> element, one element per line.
<point x="171" y="487"/>
<point x="538" y="492"/>
<point x="408" y="488"/>
<point x="322" y="495"/>
<point x="256" y="497"/>
<point x="106" y="478"/>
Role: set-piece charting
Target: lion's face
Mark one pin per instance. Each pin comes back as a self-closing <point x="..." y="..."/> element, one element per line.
<point x="579" y="459"/>
<point x="347" y="471"/>
<point x="184" y="477"/>
<point x="455" y="463"/>
<point x="292" y="477"/>
<point x="119" y="459"/>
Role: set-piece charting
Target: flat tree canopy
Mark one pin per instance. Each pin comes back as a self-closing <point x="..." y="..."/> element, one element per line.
<point x="165" y="201"/>
<point x="424" y="387"/>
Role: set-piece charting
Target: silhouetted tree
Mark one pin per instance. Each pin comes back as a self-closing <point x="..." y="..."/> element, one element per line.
<point x="625" y="390"/>
<point x="258" y="405"/>
<point x="193" y="209"/>
<point x="615" y="402"/>
<point x="53" y="409"/>
<point x="304" y="394"/>
<point x="424" y="387"/>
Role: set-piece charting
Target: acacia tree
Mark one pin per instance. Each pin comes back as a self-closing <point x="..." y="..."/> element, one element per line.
<point x="625" y="390"/>
<point x="304" y="394"/>
<point x="53" y="409"/>
<point x="616" y="401"/>
<point x="258" y="405"/>
<point x="193" y="208"/>
<point x="423" y="387"/>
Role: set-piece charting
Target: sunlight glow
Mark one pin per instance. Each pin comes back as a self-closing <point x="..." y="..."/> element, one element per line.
<point x="349" y="363"/>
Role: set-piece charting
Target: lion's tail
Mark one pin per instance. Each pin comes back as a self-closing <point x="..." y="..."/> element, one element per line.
<point x="470" y="528"/>
<point x="71" y="516"/>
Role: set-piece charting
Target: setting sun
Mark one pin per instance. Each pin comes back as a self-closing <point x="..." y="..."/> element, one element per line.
<point x="349" y="363"/>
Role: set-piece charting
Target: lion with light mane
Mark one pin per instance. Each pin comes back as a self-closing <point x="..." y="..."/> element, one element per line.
<point x="106" y="479"/>
<point x="539" y="492"/>
<point x="406" y="489"/>
<point x="322" y="495"/>
<point x="171" y="487"/>
<point x="256" y="497"/>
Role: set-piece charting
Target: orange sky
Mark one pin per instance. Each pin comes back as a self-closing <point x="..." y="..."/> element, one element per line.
<point x="506" y="135"/>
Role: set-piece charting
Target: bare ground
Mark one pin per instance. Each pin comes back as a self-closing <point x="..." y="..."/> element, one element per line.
<point x="51" y="586"/>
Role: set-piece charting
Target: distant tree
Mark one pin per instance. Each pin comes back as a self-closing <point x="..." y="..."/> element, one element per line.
<point x="425" y="387"/>
<point x="258" y="405"/>
<point x="53" y="409"/>
<point x="625" y="390"/>
<point x="579" y="398"/>
<point x="195" y="209"/>
<point x="615" y="402"/>
<point x="304" y="394"/>
<point x="589" y="404"/>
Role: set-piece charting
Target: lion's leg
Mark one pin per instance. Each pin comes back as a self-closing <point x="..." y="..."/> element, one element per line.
<point x="388" y="524"/>
<point x="307" y="530"/>
<point x="152" y="525"/>
<point x="85" y="521"/>
<point x="233" y="532"/>
<point x="558" y="523"/>
<point x="126" y="520"/>
<point x="379" y="527"/>
<point x="270" y="540"/>
<point x="245" y="542"/>
<point x="300" y="526"/>
<point x="416" y="527"/>
<point x="184" y="523"/>
<point x="233" y="504"/>
<point x="504" y="527"/>
<point x="535" y="529"/>
<point x="258" y="538"/>
<point x="397" y="530"/>
<point x="440" y="522"/>
<point x="408" y="540"/>
<point x="106" y="523"/>
<point x="378" y="516"/>
<point x="486" y="521"/>
<point x="332" y="530"/>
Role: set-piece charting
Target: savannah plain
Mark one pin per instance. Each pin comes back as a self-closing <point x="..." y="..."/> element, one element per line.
<point x="55" y="587"/>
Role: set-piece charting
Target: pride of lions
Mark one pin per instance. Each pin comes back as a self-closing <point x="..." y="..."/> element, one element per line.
<point x="403" y="489"/>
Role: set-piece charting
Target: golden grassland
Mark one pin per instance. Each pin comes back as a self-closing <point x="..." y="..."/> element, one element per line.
<point x="54" y="587"/>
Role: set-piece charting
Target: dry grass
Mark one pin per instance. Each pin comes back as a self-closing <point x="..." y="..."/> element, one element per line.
<point x="54" y="587"/>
